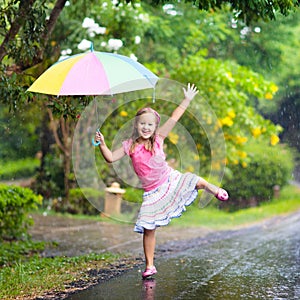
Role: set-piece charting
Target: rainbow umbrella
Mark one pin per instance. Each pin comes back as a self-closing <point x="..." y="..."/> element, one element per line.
<point x="94" y="73"/>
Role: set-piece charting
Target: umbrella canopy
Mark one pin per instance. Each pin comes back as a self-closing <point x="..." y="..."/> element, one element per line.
<point x="94" y="73"/>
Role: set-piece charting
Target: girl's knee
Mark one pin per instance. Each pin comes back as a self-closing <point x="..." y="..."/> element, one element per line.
<point x="149" y="232"/>
<point x="201" y="184"/>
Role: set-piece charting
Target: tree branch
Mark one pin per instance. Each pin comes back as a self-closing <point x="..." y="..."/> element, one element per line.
<point x="24" y="9"/>
<point x="50" y="25"/>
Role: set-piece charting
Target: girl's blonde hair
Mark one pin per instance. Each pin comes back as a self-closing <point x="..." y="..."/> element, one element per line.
<point x="134" y="136"/>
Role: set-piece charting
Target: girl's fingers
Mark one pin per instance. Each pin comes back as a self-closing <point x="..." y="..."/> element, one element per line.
<point x="191" y="91"/>
<point x="99" y="136"/>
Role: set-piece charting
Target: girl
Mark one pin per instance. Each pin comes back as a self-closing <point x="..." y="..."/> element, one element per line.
<point x="166" y="191"/>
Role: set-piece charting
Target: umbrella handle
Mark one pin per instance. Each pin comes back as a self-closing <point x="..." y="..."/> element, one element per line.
<point x="93" y="141"/>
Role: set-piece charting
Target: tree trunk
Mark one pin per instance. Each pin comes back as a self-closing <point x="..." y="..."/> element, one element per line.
<point x="62" y="130"/>
<point x="67" y="172"/>
<point x="67" y="142"/>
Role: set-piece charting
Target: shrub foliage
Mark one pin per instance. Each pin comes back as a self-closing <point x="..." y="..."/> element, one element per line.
<point x="15" y="203"/>
<point x="268" y="167"/>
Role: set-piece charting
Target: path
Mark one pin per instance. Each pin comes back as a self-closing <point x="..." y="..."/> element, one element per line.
<point x="78" y="237"/>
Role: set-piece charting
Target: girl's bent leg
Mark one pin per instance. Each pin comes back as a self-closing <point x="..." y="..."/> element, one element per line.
<point x="219" y="193"/>
<point x="149" y="246"/>
<point x="203" y="184"/>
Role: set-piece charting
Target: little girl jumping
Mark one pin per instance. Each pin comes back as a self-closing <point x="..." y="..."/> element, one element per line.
<point x="166" y="191"/>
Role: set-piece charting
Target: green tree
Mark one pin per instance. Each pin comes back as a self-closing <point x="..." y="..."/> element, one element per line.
<point x="226" y="86"/>
<point x="35" y="40"/>
<point x="19" y="133"/>
<point x="250" y="10"/>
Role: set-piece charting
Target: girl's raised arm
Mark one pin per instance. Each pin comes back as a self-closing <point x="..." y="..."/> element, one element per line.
<point x="108" y="155"/>
<point x="189" y="94"/>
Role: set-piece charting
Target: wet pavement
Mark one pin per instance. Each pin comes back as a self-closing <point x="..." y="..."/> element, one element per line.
<point x="77" y="237"/>
<point x="259" y="262"/>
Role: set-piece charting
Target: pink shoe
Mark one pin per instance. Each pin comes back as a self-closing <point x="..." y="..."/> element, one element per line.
<point x="222" y="195"/>
<point x="149" y="272"/>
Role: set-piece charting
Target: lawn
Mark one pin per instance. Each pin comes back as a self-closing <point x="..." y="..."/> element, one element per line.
<point x="214" y="218"/>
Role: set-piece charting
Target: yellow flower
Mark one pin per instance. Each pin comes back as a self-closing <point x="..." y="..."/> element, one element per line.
<point x="256" y="132"/>
<point x="196" y="157"/>
<point x="274" y="88"/>
<point x="218" y="124"/>
<point x="241" y="139"/>
<point x="269" y="96"/>
<point x="227" y="121"/>
<point x="242" y="154"/>
<point x="190" y="169"/>
<point x="173" y="137"/>
<point x="244" y="164"/>
<point x="215" y="165"/>
<point x="123" y="113"/>
<point x="231" y="114"/>
<point x="274" y="139"/>
<point x="229" y="76"/>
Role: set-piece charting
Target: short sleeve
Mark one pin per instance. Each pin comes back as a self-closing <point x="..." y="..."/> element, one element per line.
<point x="126" y="146"/>
<point x="159" y="139"/>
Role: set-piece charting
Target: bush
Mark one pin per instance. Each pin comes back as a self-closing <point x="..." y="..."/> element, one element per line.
<point x="268" y="167"/>
<point x="22" y="168"/>
<point x="15" y="202"/>
<point x="133" y="195"/>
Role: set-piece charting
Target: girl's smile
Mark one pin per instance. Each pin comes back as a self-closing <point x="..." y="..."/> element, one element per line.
<point x="146" y="125"/>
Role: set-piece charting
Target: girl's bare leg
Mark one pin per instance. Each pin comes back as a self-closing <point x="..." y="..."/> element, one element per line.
<point x="149" y="246"/>
<point x="203" y="184"/>
<point x="219" y="193"/>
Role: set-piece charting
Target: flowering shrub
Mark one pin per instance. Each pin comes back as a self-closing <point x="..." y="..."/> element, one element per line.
<point x="268" y="167"/>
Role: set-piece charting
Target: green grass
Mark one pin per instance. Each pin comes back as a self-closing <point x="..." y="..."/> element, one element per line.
<point x="12" y="252"/>
<point x="32" y="278"/>
<point x="220" y="220"/>
<point x="18" y="169"/>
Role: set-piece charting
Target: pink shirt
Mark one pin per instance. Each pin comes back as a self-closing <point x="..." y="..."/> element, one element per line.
<point x="151" y="168"/>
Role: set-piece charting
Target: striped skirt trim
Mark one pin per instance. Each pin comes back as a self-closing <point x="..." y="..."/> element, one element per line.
<point x="167" y="201"/>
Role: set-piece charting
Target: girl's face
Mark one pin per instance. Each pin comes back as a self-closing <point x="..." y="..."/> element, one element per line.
<point x="146" y="125"/>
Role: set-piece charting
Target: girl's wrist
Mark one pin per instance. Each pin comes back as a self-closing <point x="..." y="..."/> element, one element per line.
<point x="185" y="103"/>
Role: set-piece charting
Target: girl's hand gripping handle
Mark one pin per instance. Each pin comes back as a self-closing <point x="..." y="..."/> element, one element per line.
<point x="99" y="139"/>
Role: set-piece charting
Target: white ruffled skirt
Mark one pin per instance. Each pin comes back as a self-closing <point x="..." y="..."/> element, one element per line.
<point x="168" y="201"/>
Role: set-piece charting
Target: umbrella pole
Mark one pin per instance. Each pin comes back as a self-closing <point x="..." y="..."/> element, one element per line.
<point x="153" y="95"/>
<point x="98" y="129"/>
